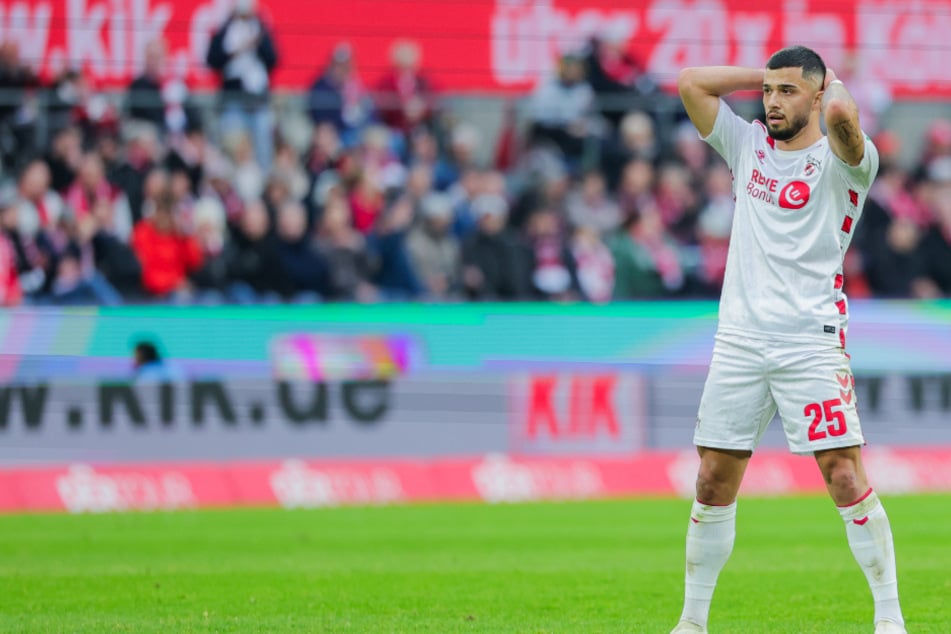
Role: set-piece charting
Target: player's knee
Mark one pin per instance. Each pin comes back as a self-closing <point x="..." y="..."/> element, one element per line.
<point x="714" y="487"/>
<point x="842" y="478"/>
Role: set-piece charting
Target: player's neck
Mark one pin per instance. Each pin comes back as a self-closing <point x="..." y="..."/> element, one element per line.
<point x="807" y="137"/>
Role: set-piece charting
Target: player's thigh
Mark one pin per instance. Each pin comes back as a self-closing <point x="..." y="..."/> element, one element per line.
<point x="815" y="392"/>
<point x="736" y="405"/>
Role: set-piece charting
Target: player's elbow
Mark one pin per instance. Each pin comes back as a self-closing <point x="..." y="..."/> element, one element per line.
<point x="840" y="110"/>
<point x="687" y="80"/>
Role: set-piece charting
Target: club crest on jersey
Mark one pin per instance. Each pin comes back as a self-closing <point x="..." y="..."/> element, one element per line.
<point x="761" y="155"/>
<point x="813" y="165"/>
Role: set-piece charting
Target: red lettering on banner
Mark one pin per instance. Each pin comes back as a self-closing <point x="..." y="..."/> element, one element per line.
<point x="501" y="45"/>
<point x="802" y="25"/>
<point x="590" y="410"/>
<point x="602" y="406"/>
<point x="541" y="410"/>
<point x="577" y="406"/>
<point x="27" y="24"/>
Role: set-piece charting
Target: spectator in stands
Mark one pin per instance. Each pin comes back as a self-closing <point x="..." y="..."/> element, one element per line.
<point x="594" y="264"/>
<point x="619" y="80"/>
<point x="464" y="142"/>
<point x="677" y="202"/>
<point x="393" y="271"/>
<point x="141" y="152"/>
<point x="92" y="188"/>
<point x="889" y="196"/>
<point x="375" y="155"/>
<point x="325" y="152"/>
<point x="636" y="140"/>
<point x="367" y="201"/>
<point x="345" y="251"/>
<point x="17" y="107"/>
<point x="713" y="230"/>
<point x="168" y="254"/>
<point x="404" y="95"/>
<point x="423" y="149"/>
<point x="113" y="256"/>
<point x="591" y="205"/>
<point x="338" y="96"/>
<point x="495" y="265"/>
<point x="287" y="163"/>
<point x="306" y="272"/>
<point x="92" y="111"/>
<point x="690" y="151"/>
<point x="546" y="184"/>
<point x="895" y="266"/>
<point x="212" y="281"/>
<point x="636" y="189"/>
<point x="242" y="50"/>
<point x="937" y="145"/>
<point x="433" y="249"/>
<point x="461" y="196"/>
<point x="64" y="158"/>
<point x="552" y="265"/>
<point x="561" y="108"/>
<point x="185" y="201"/>
<point x="156" y="183"/>
<point x="145" y="101"/>
<point x="37" y="206"/>
<point x="936" y="243"/>
<point x="277" y="192"/>
<point x="73" y="277"/>
<point x="249" y="178"/>
<point x="256" y="270"/>
<point x="219" y="184"/>
<point x="419" y="184"/>
<point x="10" y="292"/>
<point x="188" y="153"/>
<point x="646" y="259"/>
<point x="159" y="98"/>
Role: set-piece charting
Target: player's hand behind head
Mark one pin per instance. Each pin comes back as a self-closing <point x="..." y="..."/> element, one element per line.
<point x="830" y="77"/>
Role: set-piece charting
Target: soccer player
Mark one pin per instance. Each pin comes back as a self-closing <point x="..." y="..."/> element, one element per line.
<point x="780" y="342"/>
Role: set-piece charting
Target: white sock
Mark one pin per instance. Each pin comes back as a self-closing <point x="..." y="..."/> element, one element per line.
<point x="710" y="538"/>
<point x="870" y="538"/>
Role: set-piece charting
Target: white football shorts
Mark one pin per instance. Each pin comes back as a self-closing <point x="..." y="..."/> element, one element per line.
<point x="811" y="386"/>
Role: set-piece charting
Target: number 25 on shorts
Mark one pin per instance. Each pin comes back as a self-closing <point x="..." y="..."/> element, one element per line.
<point x="827" y="412"/>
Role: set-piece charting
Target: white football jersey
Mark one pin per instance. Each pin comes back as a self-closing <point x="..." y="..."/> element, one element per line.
<point x="795" y="216"/>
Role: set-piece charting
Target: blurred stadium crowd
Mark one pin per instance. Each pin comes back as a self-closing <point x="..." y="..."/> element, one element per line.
<point x="584" y="197"/>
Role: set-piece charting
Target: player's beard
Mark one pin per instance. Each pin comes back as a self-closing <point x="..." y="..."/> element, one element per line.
<point x="791" y="129"/>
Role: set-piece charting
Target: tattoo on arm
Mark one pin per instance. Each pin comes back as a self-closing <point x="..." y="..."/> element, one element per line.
<point x="848" y="134"/>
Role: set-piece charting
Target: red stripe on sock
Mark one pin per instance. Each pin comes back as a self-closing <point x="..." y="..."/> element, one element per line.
<point x="867" y="493"/>
<point x="694" y="520"/>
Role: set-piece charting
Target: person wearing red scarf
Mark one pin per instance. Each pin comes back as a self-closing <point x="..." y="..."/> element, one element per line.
<point x="167" y="254"/>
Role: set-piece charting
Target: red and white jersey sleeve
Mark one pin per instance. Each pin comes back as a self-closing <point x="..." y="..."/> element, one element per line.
<point x="794" y="219"/>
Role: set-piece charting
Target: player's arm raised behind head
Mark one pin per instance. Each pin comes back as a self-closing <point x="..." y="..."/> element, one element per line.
<point x="701" y="88"/>
<point x="841" y="115"/>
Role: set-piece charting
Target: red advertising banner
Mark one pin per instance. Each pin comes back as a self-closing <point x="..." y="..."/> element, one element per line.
<point x="495" y="478"/>
<point x="494" y="45"/>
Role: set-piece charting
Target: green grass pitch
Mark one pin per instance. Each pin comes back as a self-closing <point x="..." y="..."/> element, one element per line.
<point x="578" y="567"/>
